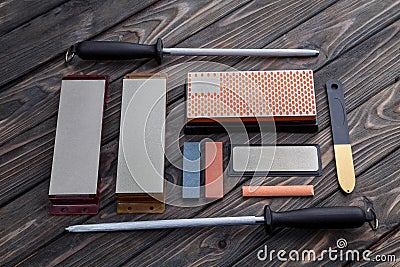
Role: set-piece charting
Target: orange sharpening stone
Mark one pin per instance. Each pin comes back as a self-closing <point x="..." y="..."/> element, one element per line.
<point x="214" y="180"/>
<point x="247" y="96"/>
<point x="278" y="191"/>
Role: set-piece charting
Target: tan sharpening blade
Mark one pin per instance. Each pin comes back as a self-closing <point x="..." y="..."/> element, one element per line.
<point x="341" y="138"/>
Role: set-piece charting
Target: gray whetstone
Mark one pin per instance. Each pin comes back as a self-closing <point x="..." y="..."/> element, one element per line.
<point x="78" y="136"/>
<point x="275" y="158"/>
<point x="191" y="170"/>
<point x="142" y="130"/>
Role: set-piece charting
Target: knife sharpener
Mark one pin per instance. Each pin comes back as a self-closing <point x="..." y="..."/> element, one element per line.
<point x="278" y="191"/>
<point x="115" y="50"/>
<point x="341" y="137"/>
<point x="285" y="99"/>
<point x="74" y="183"/>
<point x="275" y="160"/>
<point x="214" y="174"/>
<point x="310" y="218"/>
<point x="140" y="173"/>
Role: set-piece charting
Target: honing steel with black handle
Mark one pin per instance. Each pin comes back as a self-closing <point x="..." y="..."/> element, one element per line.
<point x="315" y="218"/>
<point x="111" y="50"/>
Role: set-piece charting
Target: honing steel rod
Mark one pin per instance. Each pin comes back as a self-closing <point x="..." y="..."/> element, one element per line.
<point x="111" y="50"/>
<point x="318" y="218"/>
<point x="246" y="52"/>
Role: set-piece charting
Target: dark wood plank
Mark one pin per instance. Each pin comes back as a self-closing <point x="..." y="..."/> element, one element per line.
<point x="27" y="143"/>
<point x="14" y="13"/>
<point x="384" y="250"/>
<point x="50" y="34"/>
<point x="355" y="77"/>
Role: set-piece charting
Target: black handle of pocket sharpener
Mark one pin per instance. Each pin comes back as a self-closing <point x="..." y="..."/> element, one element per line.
<point x="110" y="50"/>
<point x="318" y="218"/>
<point x="337" y="110"/>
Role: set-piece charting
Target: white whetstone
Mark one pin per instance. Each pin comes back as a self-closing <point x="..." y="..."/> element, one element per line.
<point x="142" y="132"/>
<point x="78" y="138"/>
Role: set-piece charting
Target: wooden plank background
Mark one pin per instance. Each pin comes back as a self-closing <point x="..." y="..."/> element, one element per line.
<point x="359" y="43"/>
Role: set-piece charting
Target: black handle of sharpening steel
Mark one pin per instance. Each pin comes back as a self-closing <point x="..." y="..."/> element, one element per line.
<point x="109" y="50"/>
<point x="319" y="218"/>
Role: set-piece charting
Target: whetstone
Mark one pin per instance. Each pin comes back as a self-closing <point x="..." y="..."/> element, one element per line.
<point x="140" y="172"/>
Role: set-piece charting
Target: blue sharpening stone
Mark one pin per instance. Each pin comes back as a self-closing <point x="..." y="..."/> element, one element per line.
<point x="191" y="170"/>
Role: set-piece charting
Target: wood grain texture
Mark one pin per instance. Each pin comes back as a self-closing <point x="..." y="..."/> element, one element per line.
<point x="50" y="34"/>
<point x="359" y="44"/>
<point x="385" y="249"/>
<point x="14" y="13"/>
